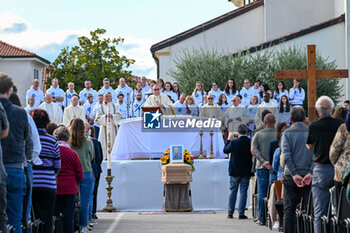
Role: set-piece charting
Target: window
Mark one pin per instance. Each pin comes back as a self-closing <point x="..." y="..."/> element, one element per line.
<point x="36" y="74"/>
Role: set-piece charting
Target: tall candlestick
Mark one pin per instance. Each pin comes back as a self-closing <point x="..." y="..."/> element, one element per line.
<point x="109" y="125"/>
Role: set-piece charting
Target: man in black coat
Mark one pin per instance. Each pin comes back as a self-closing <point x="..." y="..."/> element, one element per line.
<point x="239" y="170"/>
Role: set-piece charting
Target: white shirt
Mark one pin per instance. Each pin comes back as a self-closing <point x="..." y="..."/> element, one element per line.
<point x="84" y="92"/>
<point x="147" y="88"/>
<point x="255" y="91"/>
<point x="123" y="109"/>
<point x="194" y="110"/>
<point x="28" y="108"/>
<point x="56" y="92"/>
<point x="296" y="97"/>
<point x="68" y="97"/>
<point x="230" y="96"/>
<point x="278" y="96"/>
<point x="173" y="95"/>
<point x="94" y="112"/>
<point x="216" y="94"/>
<point x="38" y="96"/>
<point x="36" y="141"/>
<point x="224" y="107"/>
<point x="198" y="97"/>
<point x="88" y="108"/>
<point x="246" y="96"/>
<point x="135" y="111"/>
<point x="126" y="91"/>
<point x="103" y="91"/>
<point x="180" y="109"/>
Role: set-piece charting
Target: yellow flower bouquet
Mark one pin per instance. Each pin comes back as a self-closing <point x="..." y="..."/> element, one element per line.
<point x="188" y="159"/>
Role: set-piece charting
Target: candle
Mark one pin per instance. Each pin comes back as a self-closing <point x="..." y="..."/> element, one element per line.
<point x="109" y="164"/>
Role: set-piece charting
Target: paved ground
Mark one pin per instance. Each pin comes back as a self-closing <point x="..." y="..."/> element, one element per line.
<point x="194" y="222"/>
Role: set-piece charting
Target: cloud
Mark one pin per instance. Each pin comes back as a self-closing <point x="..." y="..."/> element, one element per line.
<point x="16" y="28"/>
<point x="19" y="32"/>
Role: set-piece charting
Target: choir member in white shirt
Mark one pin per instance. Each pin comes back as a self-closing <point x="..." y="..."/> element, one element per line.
<point x="280" y="91"/>
<point x="69" y="93"/>
<point x="106" y="88"/>
<point x="56" y="92"/>
<point x="125" y="90"/>
<point x="272" y="99"/>
<point x="138" y="89"/>
<point x="296" y="94"/>
<point x="145" y="87"/>
<point x="54" y="111"/>
<point x="284" y="110"/>
<point x="168" y="90"/>
<point x="246" y="93"/>
<point x="222" y="103"/>
<point x="252" y="108"/>
<point x="230" y="90"/>
<point x="122" y="106"/>
<point x="192" y="108"/>
<point x="215" y="91"/>
<point x="36" y="93"/>
<point x="73" y="111"/>
<point x="263" y="89"/>
<point x="235" y="115"/>
<point x="85" y="91"/>
<point x="160" y="83"/>
<point x="256" y="88"/>
<point x="31" y="105"/>
<point x="176" y="90"/>
<point x="198" y="93"/>
<point x="180" y="106"/>
<point x="89" y="108"/>
<point x="136" y="107"/>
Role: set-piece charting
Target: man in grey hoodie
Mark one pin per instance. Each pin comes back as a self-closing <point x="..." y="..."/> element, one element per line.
<point x="298" y="167"/>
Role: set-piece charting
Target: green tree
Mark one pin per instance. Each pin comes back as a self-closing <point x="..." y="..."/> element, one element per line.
<point x="94" y="58"/>
<point x="207" y="66"/>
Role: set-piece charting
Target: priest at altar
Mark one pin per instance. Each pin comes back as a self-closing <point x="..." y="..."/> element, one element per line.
<point x="54" y="111"/>
<point x="73" y="111"/>
<point x="211" y="110"/>
<point x="235" y="115"/>
<point x="102" y="116"/>
<point x="161" y="100"/>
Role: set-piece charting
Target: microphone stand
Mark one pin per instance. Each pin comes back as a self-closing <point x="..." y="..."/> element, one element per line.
<point x="138" y="108"/>
<point x="127" y="104"/>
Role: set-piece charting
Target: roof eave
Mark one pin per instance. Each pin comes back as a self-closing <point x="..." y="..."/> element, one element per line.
<point x="39" y="59"/>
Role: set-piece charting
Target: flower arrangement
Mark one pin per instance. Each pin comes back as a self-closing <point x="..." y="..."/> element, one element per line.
<point x="188" y="159"/>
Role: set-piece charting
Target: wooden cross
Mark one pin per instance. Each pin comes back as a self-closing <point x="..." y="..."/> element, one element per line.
<point x="311" y="74"/>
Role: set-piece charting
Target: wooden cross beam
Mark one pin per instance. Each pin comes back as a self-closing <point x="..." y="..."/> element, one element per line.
<point x="311" y="74"/>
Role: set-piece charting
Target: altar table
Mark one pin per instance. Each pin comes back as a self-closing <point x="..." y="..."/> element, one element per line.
<point x="137" y="185"/>
<point x="132" y="142"/>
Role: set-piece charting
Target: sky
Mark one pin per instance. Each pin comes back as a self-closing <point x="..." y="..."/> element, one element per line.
<point x="46" y="26"/>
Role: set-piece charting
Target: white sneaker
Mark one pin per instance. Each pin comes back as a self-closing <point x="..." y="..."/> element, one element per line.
<point x="84" y="230"/>
<point x="276" y="225"/>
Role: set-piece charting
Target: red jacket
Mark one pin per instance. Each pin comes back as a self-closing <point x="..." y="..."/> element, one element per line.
<point x="71" y="172"/>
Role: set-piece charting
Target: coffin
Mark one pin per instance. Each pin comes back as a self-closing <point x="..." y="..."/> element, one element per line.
<point x="176" y="173"/>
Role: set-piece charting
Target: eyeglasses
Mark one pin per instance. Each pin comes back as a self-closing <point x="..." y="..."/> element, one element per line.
<point x="210" y="98"/>
<point x="156" y="89"/>
<point x="246" y="82"/>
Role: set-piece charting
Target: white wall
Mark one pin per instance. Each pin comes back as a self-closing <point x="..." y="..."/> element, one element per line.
<point x="330" y="42"/>
<point x="22" y="72"/>
<point x="283" y="17"/>
<point x="241" y="32"/>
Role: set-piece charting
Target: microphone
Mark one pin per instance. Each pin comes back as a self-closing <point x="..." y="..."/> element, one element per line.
<point x="148" y="94"/>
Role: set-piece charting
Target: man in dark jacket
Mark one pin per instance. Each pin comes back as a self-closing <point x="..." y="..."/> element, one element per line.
<point x="17" y="148"/>
<point x="239" y="170"/>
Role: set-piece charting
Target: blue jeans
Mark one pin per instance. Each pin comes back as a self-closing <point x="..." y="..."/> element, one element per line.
<point x="30" y="174"/>
<point x="86" y="185"/>
<point x="262" y="176"/>
<point x="322" y="181"/>
<point x="91" y="199"/>
<point x="16" y="189"/>
<point x="243" y="184"/>
<point x="97" y="131"/>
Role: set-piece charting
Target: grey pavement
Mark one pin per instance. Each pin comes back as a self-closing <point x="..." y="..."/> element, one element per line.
<point x="194" y="222"/>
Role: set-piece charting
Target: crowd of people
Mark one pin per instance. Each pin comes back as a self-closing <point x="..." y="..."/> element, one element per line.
<point x="46" y="170"/>
<point x="305" y="157"/>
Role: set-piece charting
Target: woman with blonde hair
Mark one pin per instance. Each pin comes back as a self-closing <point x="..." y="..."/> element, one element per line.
<point x="84" y="148"/>
<point x="198" y="93"/>
<point x="192" y="108"/>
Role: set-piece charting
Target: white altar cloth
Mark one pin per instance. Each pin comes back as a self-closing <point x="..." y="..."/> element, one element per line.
<point x="131" y="142"/>
<point x="137" y="186"/>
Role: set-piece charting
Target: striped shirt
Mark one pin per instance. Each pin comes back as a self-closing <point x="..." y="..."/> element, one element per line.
<point x="44" y="175"/>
